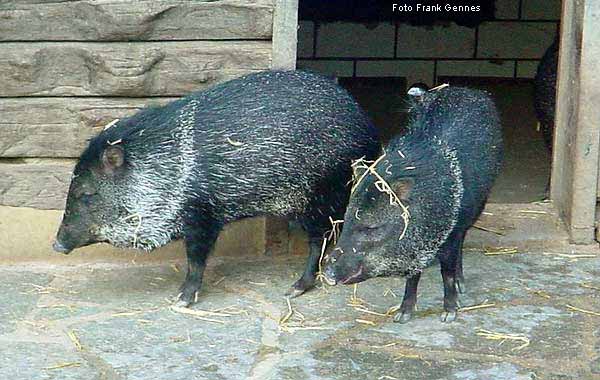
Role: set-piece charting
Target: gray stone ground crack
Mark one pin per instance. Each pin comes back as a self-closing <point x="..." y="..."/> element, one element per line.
<point x="269" y="355"/>
<point x="105" y="370"/>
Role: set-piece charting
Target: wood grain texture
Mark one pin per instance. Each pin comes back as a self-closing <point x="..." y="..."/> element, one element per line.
<point x="285" y="34"/>
<point x="42" y="185"/>
<point x="135" y="20"/>
<point x="577" y="137"/>
<point x="125" y="69"/>
<point x="60" y="127"/>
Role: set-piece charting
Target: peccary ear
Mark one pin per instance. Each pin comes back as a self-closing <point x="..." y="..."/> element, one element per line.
<point x="403" y="187"/>
<point x="113" y="158"/>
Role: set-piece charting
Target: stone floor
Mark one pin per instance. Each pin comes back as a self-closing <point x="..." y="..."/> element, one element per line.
<point x="114" y="321"/>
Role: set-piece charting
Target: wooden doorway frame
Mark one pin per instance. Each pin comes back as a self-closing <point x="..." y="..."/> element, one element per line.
<point x="574" y="182"/>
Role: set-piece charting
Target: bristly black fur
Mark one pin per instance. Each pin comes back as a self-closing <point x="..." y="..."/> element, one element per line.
<point x="443" y="169"/>
<point x="271" y="143"/>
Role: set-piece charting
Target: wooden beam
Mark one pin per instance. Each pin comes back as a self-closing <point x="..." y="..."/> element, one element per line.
<point x="41" y="184"/>
<point x="135" y="20"/>
<point x="285" y="34"/>
<point x="60" y="127"/>
<point x="125" y="69"/>
<point x="577" y="135"/>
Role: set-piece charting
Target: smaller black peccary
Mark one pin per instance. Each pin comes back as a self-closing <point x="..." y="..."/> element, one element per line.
<point x="417" y="202"/>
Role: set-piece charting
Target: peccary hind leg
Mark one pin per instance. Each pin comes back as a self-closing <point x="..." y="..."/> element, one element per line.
<point x="451" y="268"/>
<point x="199" y="243"/>
<point x="307" y="280"/>
<point x="460" y="278"/>
<point x="407" y="308"/>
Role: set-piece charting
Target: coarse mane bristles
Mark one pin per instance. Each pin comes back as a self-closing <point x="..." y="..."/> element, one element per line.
<point x="369" y="168"/>
<point x="156" y="188"/>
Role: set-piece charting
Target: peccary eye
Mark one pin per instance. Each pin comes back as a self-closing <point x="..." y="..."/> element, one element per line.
<point x="86" y="198"/>
<point x="83" y="191"/>
<point x="369" y="227"/>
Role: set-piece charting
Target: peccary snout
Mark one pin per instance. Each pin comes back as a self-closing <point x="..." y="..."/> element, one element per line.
<point x="344" y="269"/>
<point x="59" y="247"/>
<point x="70" y="237"/>
<point x="63" y="244"/>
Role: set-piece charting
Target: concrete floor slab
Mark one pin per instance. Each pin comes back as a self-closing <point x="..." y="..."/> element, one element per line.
<point x="115" y="322"/>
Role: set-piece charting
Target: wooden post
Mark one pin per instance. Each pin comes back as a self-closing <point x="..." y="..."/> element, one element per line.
<point x="285" y="34"/>
<point x="577" y="134"/>
<point x="285" y="41"/>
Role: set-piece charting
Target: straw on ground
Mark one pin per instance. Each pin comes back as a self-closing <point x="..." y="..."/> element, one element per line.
<point x="584" y="311"/>
<point x="63" y="365"/>
<point x="503" y="337"/>
<point x="496" y="251"/>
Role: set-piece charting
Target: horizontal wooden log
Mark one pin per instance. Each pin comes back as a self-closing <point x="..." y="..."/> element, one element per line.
<point x="38" y="184"/>
<point x="135" y="20"/>
<point x="60" y="127"/>
<point x="125" y="69"/>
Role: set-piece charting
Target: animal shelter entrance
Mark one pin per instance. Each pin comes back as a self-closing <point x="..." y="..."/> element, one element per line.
<point x="498" y="52"/>
<point x="527" y="161"/>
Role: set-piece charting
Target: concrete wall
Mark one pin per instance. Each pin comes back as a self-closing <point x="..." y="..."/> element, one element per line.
<point x="508" y="47"/>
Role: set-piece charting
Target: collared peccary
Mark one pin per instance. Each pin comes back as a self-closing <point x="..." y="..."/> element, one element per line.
<point x="270" y="143"/>
<point x="545" y="92"/>
<point x="418" y="201"/>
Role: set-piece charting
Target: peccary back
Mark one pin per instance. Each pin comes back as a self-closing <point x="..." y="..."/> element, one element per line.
<point x="466" y="124"/>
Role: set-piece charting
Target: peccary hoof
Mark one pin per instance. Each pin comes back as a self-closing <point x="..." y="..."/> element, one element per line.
<point x="448" y="316"/>
<point x="292" y="292"/>
<point x="186" y="298"/>
<point x="300" y="287"/>
<point x="403" y="316"/>
<point x="182" y="303"/>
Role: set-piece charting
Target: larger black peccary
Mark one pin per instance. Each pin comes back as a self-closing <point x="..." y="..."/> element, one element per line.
<point x="270" y="143"/>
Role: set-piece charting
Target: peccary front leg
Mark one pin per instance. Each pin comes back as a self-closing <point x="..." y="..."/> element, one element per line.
<point x="309" y="276"/>
<point x="198" y="243"/>
<point x="409" y="302"/>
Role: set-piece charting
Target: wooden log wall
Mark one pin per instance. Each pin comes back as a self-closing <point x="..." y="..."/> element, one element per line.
<point x="67" y="68"/>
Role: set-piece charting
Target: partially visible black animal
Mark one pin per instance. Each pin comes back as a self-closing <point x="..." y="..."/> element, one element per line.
<point x="426" y="192"/>
<point x="545" y="92"/>
<point x="271" y="143"/>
